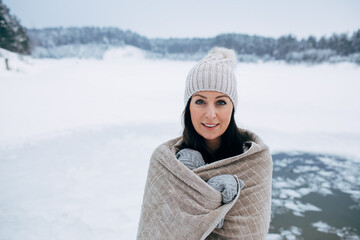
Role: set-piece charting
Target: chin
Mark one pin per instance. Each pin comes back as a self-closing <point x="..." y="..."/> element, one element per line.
<point x="210" y="138"/>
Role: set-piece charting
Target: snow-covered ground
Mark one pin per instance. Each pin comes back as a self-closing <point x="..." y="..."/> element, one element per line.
<point x="293" y="107"/>
<point x="76" y="134"/>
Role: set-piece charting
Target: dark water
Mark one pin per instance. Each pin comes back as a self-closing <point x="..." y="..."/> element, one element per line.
<point x="329" y="183"/>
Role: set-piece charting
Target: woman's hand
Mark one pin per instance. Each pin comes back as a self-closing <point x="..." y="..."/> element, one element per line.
<point x="190" y="158"/>
<point x="226" y="184"/>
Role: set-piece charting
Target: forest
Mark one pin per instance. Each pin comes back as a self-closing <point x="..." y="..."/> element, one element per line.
<point x="336" y="48"/>
<point x="93" y="42"/>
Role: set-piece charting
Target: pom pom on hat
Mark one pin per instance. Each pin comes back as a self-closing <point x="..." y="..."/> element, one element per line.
<point x="224" y="53"/>
<point x="215" y="72"/>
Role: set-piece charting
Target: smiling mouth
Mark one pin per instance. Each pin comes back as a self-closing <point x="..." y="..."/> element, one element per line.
<point x="210" y="125"/>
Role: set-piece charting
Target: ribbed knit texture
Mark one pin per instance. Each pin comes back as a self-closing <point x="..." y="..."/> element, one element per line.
<point x="190" y="158"/>
<point x="215" y="72"/>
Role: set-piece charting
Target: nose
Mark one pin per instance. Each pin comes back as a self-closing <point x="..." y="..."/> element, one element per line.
<point x="210" y="112"/>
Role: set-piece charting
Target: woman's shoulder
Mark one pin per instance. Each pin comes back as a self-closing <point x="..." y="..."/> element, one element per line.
<point x="257" y="147"/>
<point x="253" y="137"/>
<point x="171" y="145"/>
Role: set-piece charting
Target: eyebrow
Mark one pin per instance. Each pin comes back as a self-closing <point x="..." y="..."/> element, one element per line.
<point x="215" y="97"/>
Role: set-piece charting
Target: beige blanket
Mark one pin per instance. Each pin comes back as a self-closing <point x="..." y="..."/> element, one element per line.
<point x="179" y="204"/>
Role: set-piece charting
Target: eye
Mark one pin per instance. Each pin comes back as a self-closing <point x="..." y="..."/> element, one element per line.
<point x="200" y="101"/>
<point x="221" y="102"/>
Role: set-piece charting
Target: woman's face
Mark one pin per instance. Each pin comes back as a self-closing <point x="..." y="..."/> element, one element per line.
<point x="210" y="115"/>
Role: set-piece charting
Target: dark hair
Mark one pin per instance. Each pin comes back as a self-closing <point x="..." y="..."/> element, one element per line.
<point x="231" y="140"/>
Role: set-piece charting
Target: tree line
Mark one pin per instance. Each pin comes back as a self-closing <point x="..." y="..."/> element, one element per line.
<point x="60" y="42"/>
<point x="287" y="48"/>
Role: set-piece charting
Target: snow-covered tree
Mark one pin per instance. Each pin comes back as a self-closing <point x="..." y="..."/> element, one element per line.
<point x="52" y="42"/>
<point x="355" y="41"/>
<point x="13" y="36"/>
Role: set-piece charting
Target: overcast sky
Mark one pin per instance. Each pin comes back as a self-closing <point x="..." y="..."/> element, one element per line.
<point x="195" y="18"/>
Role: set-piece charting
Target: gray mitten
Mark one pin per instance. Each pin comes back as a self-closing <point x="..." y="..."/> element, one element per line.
<point x="190" y="158"/>
<point x="227" y="185"/>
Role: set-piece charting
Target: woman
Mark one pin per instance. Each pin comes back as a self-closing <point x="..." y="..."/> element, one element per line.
<point x="182" y="199"/>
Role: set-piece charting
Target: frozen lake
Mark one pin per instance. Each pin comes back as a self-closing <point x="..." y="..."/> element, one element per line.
<point x="76" y="136"/>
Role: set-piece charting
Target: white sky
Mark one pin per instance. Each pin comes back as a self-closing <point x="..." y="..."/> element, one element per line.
<point x="196" y="18"/>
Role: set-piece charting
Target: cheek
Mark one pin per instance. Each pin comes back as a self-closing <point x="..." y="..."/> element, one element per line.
<point x="227" y="117"/>
<point x="194" y="115"/>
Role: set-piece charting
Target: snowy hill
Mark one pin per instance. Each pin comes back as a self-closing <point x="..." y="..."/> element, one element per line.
<point x="16" y="62"/>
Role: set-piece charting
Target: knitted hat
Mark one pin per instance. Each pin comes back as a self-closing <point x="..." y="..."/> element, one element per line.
<point x="215" y="72"/>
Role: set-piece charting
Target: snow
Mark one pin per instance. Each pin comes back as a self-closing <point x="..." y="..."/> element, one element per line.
<point x="76" y="135"/>
<point x="300" y="208"/>
<point x="289" y="234"/>
<point x="289" y="194"/>
<point x="343" y="233"/>
<point x="273" y="236"/>
<point x="306" y="105"/>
